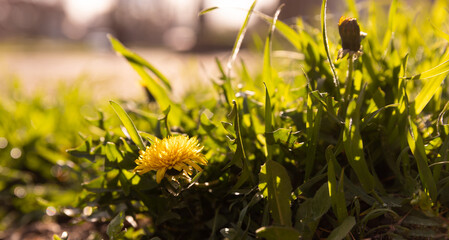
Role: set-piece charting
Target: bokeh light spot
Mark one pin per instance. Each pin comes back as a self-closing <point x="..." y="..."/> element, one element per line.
<point x="20" y="192"/>
<point x="3" y="142"/>
<point x="51" y="211"/>
<point x="87" y="211"/>
<point x="16" y="153"/>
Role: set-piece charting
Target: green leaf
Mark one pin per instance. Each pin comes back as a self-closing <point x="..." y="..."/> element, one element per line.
<point x="416" y="145"/>
<point x="277" y="232"/>
<point x="326" y="47"/>
<point x="341" y="231"/>
<point x="128" y="124"/>
<point x="112" y="153"/>
<point x="83" y="151"/>
<point x="285" y="137"/>
<point x="114" y="228"/>
<point x="275" y="185"/>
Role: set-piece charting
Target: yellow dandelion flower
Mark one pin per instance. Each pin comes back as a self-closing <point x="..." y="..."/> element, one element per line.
<point x="176" y="152"/>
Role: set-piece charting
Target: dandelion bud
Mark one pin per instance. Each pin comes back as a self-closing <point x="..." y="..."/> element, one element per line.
<point x="350" y="33"/>
<point x="350" y="36"/>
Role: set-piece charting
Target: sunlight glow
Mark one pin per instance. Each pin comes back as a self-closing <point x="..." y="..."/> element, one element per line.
<point x="83" y="11"/>
<point x="231" y="13"/>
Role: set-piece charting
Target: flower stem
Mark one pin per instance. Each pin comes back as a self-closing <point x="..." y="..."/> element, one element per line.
<point x="349" y="78"/>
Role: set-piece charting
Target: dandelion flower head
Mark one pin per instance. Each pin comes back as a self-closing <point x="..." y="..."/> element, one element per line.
<point x="177" y="152"/>
<point x="351" y="36"/>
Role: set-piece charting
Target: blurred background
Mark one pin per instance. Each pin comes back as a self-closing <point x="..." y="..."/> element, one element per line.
<point x="45" y="41"/>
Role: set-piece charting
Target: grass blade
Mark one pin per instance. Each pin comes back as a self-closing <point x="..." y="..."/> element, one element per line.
<point x="336" y="191"/>
<point x="353" y="145"/>
<point x="313" y="126"/>
<point x="341" y="231"/>
<point x="204" y="11"/>
<point x="268" y="123"/>
<point x="136" y="59"/>
<point x="275" y="184"/>
<point x="158" y="90"/>
<point x="439" y="32"/>
<point x="437" y="70"/>
<point x="240" y="37"/>
<point x="391" y="25"/>
<point x="416" y="143"/>
<point x="276" y="232"/>
<point x="289" y="33"/>
<point x="128" y="124"/>
<point x="326" y="47"/>
<point x="267" y="72"/>
<point x="427" y="92"/>
<point x="352" y="8"/>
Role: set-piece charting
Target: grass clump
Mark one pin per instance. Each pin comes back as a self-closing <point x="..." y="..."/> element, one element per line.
<point x="315" y="148"/>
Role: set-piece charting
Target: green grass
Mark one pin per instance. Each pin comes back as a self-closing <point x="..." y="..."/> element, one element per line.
<point x="308" y="146"/>
<point x="337" y="149"/>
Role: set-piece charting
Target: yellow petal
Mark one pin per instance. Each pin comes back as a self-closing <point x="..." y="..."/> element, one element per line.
<point x="201" y="160"/>
<point x="160" y="174"/>
<point x="194" y="165"/>
<point x="187" y="169"/>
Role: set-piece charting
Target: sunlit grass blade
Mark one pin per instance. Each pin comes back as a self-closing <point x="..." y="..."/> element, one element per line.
<point x="441" y="68"/>
<point x="427" y="92"/>
<point x="128" y="124"/>
<point x="136" y="59"/>
<point x="267" y="72"/>
<point x="275" y="184"/>
<point x="268" y="123"/>
<point x="240" y="37"/>
<point x="391" y="24"/>
<point x="204" y="11"/>
<point x="326" y="47"/>
<point x="439" y="32"/>
<point x="352" y="7"/>
<point x="277" y="232"/>
<point x="289" y="33"/>
<point x="158" y="91"/>
<point x="313" y="126"/>
<point x="336" y="190"/>
<point x="353" y="145"/>
<point x="226" y="84"/>
<point x="240" y="153"/>
<point x="416" y="144"/>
